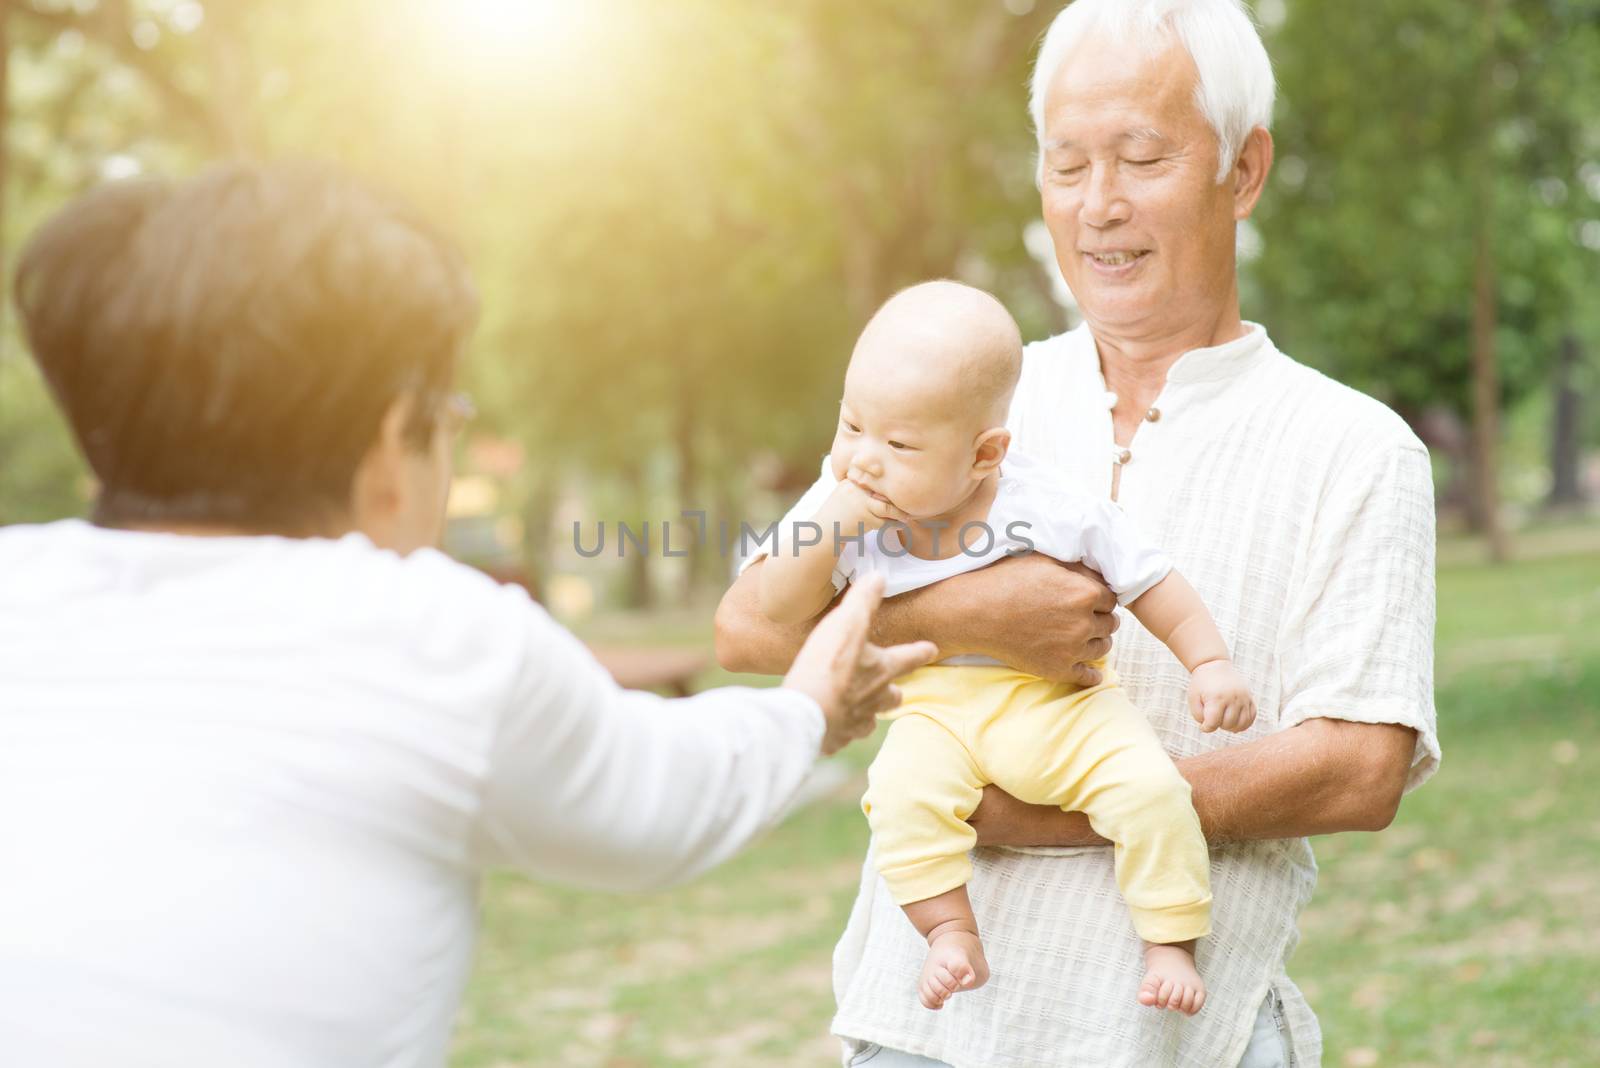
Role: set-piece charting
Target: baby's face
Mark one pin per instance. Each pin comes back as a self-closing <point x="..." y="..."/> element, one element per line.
<point x="905" y="436"/>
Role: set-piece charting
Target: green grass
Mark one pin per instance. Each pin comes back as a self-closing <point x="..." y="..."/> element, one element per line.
<point x="1467" y="934"/>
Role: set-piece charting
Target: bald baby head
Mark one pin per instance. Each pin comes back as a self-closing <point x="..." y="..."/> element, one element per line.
<point x="953" y="348"/>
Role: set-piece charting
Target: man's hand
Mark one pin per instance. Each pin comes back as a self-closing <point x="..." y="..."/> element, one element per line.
<point x="1002" y="820"/>
<point x="1038" y="615"/>
<point x="847" y="675"/>
<point x="1030" y="612"/>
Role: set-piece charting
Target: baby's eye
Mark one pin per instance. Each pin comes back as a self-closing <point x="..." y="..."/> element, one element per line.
<point x="851" y="427"/>
<point x="898" y="445"/>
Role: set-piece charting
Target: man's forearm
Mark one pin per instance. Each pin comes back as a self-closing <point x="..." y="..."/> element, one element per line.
<point x="1320" y="777"/>
<point x="747" y="641"/>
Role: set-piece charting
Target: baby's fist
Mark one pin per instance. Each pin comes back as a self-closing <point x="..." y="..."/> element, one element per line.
<point x="1219" y="697"/>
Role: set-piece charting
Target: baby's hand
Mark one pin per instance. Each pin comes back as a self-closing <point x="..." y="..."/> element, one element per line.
<point x="853" y="508"/>
<point x="1219" y="697"/>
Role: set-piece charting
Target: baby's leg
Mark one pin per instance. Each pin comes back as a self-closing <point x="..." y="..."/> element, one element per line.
<point x="1102" y="758"/>
<point x="955" y="960"/>
<point x="920" y="790"/>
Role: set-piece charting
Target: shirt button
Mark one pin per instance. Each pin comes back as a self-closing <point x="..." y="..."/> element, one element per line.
<point x="1153" y="415"/>
<point x="1124" y="455"/>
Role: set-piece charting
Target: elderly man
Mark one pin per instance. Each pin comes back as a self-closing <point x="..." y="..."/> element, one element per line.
<point x="1300" y="509"/>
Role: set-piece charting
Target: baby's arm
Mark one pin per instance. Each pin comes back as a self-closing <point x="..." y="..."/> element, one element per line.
<point x="796" y="581"/>
<point x="1218" y="694"/>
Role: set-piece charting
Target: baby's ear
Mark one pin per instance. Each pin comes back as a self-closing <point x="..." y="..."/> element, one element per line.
<point x="990" y="449"/>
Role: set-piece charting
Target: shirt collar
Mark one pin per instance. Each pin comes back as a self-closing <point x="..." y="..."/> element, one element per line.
<point x="1221" y="361"/>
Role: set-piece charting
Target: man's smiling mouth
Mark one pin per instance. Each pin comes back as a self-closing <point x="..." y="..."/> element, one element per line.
<point x="1119" y="258"/>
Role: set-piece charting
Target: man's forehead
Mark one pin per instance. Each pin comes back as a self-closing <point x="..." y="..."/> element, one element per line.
<point x="1139" y="88"/>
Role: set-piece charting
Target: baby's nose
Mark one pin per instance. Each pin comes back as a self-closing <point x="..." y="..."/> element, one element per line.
<point x="867" y="461"/>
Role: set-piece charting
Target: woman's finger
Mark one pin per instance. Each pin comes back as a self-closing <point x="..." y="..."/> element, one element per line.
<point x="886" y="700"/>
<point x="897" y="660"/>
<point x="854" y="616"/>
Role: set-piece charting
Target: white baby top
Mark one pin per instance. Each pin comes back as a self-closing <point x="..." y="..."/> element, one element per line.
<point x="248" y="785"/>
<point x="1032" y="511"/>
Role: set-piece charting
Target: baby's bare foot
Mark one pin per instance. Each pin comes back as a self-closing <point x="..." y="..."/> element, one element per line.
<point x="1170" y="979"/>
<point x="955" y="963"/>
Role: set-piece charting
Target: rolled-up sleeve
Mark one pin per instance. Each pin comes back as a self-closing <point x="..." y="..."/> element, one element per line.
<point x="592" y="785"/>
<point x="1357" y="643"/>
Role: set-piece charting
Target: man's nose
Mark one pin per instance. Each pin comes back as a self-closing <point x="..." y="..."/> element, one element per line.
<point x="1103" y="202"/>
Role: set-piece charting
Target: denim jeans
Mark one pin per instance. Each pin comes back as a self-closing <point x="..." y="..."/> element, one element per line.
<point x="1266" y="1049"/>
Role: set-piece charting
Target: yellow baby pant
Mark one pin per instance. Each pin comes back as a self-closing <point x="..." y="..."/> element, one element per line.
<point x="962" y="727"/>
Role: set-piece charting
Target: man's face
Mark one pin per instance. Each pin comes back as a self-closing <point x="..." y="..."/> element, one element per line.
<point x="1144" y="235"/>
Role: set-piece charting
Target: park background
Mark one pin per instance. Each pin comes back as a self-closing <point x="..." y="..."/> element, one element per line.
<point x="681" y="211"/>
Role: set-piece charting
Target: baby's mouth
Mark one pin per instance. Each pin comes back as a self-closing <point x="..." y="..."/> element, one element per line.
<point x="868" y="490"/>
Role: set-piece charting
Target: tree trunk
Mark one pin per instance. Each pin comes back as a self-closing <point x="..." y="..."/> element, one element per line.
<point x="1486" y="396"/>
<point x="538" y="513"/>
<point x="685" y="531"/>
<point x="5" y="159"/>
<point x="639" y="593"/>
<point x="1485" y="312"/>
<point x="1566" y="438"/>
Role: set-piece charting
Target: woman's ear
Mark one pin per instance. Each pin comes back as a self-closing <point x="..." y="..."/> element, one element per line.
<point x="378" y="489"/>
<point x="990" y="448"/>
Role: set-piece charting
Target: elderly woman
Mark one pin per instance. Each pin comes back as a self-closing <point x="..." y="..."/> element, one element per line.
<point x="1301" y="511"/>
<point x="257" y="743"/>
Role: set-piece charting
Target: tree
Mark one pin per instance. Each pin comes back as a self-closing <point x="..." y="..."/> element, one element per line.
<point x="1420" y="241"/>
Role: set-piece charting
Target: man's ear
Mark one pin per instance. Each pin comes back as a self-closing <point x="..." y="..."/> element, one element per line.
<point x="989" y="449"/>
<point x="1250" y="171"/>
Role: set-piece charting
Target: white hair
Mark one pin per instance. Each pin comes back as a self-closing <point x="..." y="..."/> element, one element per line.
<point x="1235" y="88"/>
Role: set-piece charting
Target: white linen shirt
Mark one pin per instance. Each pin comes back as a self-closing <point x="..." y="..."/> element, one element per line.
<point x="1302" y="512"/>
<point x="1033" y="511"/>
<point x="247" y="786"/>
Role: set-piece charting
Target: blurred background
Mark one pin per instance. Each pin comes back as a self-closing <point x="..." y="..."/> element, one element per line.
<point x="680" y="212"/>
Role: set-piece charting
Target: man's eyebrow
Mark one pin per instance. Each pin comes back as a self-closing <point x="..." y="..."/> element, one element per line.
<point x="1143" y="135"/>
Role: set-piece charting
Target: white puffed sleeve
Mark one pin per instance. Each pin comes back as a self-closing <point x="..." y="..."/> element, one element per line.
<point x="1074" y="526"/>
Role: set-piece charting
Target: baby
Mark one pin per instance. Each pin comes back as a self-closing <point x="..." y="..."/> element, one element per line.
<point x="920" y="486"/>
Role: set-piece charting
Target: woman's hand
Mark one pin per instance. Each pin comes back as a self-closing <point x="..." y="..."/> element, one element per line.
<point x="848" y="676"/>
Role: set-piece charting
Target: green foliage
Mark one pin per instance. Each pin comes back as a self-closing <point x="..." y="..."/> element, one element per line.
<point x="680" y="214"/>
<point x="41" y="476"/>
<point x="1402" y="129"/>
